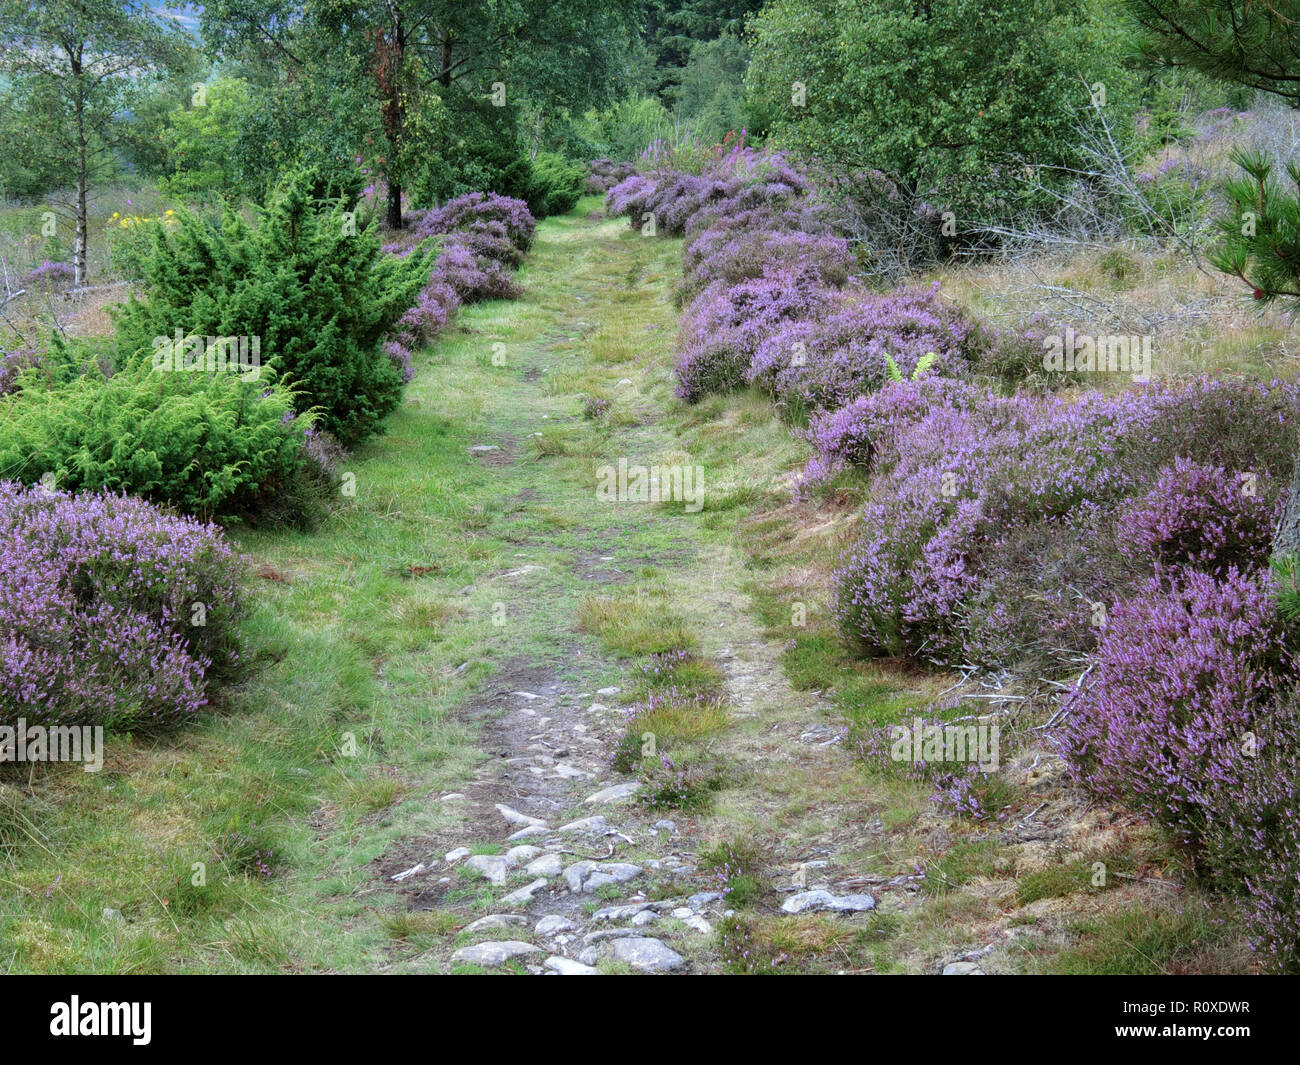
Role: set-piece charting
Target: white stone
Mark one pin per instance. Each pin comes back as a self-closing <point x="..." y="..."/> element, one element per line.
<point x="569" y="967"/>
<point x="615" y="793"/>
<point x="494" y="954"/>
<point x="552" y="924"/>
<point x="821" y="899"/>
<point x="647" y="955"/>
<point x="491" y="866"/>
<point x="525" y="894"/>
<point x="516" y="818"/>
<point x="494" y="920"/>
<point x="521" y="854"/>
<point x="546" y="865"/>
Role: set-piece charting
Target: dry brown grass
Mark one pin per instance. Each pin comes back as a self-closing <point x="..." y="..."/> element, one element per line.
<point x="1200" y="320"/>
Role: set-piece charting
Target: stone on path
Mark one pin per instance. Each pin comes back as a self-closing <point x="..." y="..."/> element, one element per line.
<point x="586" y="826"/>
<point x="493" y="954"/>
<point x="552" y="924"/>
<point x="647" y="955"/>
<point x="516" y="818"/>
<point x="495" y="920"/>
<point x="525" y="894"/>
<point x="492" y="866"/>
<point x="569" y="967"/>
<point x="521" y="855"/>
<point x="821" y="899"/>
<point x="588" y="876"/>
<point x="546" y="865"/>
<point x="615" y="793"/>
<point x="962" y="968"/>
<point x="622" y="912"/>
<point x="452" y="857"/>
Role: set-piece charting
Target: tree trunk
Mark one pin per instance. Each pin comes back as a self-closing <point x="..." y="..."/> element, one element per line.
<point x="1287" y="539"/>
<point x="79" y="115"/>
<point x="394" y="216"/>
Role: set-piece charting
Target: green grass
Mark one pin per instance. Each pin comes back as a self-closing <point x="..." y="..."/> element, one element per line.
<point x="1144" y="941"/>
<point x="634" y="624"/>
<point x="326" y="756"/>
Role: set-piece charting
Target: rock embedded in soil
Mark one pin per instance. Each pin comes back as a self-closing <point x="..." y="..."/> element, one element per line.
<point x="615" y="793"/>
<point x="493" y="867"/>
<point x="492" y="954"/>
<point x="524" y="896"/>
<point x="552" y="924"/>
<point x="516" y="818"/>
<point x="647" y="955"/>
<point x="495" y="920"/>
<point x="586" y="826"/>
<point x="821" y="899"/>
<point x="521" y="855"/>
<point x="569" y="967"/>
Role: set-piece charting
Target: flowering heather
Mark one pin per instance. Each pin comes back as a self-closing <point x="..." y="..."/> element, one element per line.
<point x="748" y="255"/>
<point x="605" y="174"/>
<point x="111" y="612"/>
<point x="851" y="436"/>
<point x="741" y="181"/>
<point x="472" y="277"/>
<point x="1183" y="673"/>
<point x="49" y="273"/>
<point x="631" y="197"/>
<point x="1253" y="838"/>
<point x="831" y="360"/>
<point x="489" y="240"/>
<point x="723" y="328"/>
<point x="979" y="497"/>
<point x="464" y="211"/>
<point x="1204" y="517"/>
<point x="422" y="322"/>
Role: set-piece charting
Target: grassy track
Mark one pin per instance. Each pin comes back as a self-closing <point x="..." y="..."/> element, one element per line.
<point x="450" y="569"/>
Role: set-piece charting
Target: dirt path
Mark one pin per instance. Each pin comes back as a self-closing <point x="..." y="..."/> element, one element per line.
<point x="568" y="871"/>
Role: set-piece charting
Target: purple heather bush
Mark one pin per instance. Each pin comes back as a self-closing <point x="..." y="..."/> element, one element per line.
<point x="747" y="255"/>
<point x="1253" y="839"/>
<point x="489" y="240"/>
<point x="631" y="197"/>
<point x="827" y="362"/>
<point x="723" y="328"/>
<point x="851" y="436"/>
<point x="472" y="277"/>
<point x="741" y="182"/>
<point x="49" y="274"/>
<point x="112" y="612"/>
<point x="462" y="212"/>
<point x="425" y="320"/>
<point x="1184" y="671"/>
<point x="1202" y="517"/>
<point x="978" y="498"/>
<point x="484" y="237"/>
<point x="604" y="175"/>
